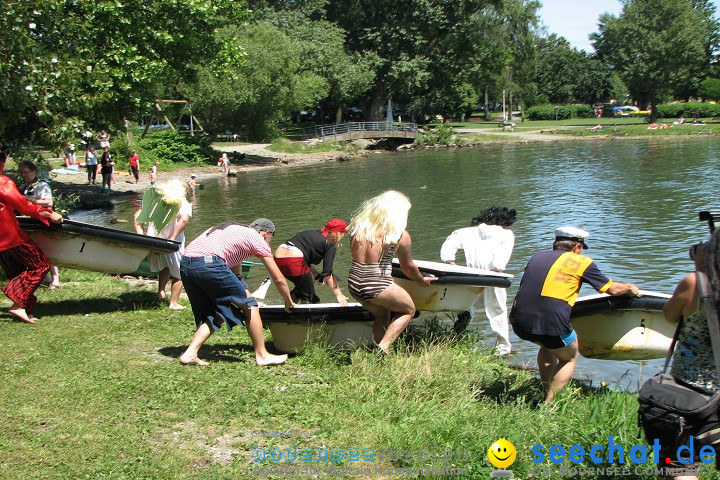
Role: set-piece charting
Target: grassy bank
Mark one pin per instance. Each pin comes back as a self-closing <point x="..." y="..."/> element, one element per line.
<point x="94" y="390"/>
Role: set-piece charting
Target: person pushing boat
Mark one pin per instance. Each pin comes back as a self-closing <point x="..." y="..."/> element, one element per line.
<point x="298" y="256"/>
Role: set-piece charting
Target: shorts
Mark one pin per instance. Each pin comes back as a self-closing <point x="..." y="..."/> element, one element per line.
<point x="551" y="342"/>
<point x="292" y="266"/>
<point x="216" y="294"/>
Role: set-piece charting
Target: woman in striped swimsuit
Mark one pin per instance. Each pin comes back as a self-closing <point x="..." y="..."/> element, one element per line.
<point x="377" y="233"/>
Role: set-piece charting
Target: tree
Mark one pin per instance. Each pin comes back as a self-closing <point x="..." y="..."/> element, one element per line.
<point x="322" y="52"/>
<point x="710" y="89"/>
<point x="657" y="46"/>
<point x="258" y="90"/>
<point x="568" y="75"/>
<point x="419" y="46"/>
<point x="70" y="63"/>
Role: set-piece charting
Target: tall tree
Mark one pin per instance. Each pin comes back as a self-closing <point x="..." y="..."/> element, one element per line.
<point x="322" y="51"/>
<point x="416" y="44"/>
<point x="257" y="89"/>
<point x="71" y="62"/>
<point x="658" y="46"/>
<point x="568" y="75"/>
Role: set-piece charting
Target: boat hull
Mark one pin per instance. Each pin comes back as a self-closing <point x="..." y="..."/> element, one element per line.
<point x="455" y="290"/>
<point x="89" y="247"/>
<point x="346" y="327"/>
<point x="622" y="328"/>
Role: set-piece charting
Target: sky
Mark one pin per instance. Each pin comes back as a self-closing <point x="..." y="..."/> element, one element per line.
<point x="576" y="19"/>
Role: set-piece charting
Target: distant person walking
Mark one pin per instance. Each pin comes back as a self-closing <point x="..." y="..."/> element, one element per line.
<point x="106" y="168"/>
<point x="91" y="164"/>
<point x="134" y="162"/>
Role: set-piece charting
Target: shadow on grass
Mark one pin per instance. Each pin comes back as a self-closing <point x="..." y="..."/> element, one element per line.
<point x="219" y="352"/>
<point x="125" y="302"/>
<point x="511" y="388"/>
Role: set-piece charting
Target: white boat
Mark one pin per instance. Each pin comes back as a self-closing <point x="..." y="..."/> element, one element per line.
<point x="347" y="327"/>
<point x="622" y="327"/>
<point x="84" y="246"/>
<point x="456" y="288"/>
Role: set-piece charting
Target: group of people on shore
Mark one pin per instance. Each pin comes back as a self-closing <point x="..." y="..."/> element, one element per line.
<point x="210" y="270"/>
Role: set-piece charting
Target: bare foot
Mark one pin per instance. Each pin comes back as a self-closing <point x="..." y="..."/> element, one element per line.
<point x="270" y="359"/>
<point x="22" y="315"/>
<point x="176" y="306"/>
<point x="192" y="361"/>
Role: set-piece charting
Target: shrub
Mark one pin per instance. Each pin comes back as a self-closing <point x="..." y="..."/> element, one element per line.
<point x="435" y="134"/>
<point x="561" y="112"/>
<point x="169" y="147"/>
<point x="689" y="110"/>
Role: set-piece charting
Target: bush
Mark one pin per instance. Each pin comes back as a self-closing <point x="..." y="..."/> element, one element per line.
<point x="561" y="112"/>
<point x="441" y="134"/>
<point x="689" y="110"/>
<point x="169" y="147"/>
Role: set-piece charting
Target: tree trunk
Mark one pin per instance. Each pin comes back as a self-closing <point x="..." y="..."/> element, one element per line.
<point x="377" y="101"/>
<point x="487" y="106"/>
<point x="338" y="114"/>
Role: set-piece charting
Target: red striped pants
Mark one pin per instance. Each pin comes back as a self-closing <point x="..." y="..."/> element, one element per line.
<point x="26" y="266"/>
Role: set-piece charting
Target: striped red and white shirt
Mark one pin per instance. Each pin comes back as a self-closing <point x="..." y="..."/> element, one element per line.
<point x="233" y="244"/>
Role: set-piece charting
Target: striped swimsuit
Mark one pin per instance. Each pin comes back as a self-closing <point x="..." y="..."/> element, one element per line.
<point x="367" y="280"/>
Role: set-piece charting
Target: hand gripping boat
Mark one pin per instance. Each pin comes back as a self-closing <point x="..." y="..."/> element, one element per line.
<point x="339" y="326"/>
<point x="84" y="246"/>
<point x="621" y="327"/>
<point x="456" y="288"/>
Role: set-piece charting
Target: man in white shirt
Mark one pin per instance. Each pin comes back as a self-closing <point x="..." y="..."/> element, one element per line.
<point x="487" y="244"/>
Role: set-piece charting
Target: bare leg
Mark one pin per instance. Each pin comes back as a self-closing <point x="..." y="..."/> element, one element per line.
<point x="163" y="277"/>
<point x="55" y="275"/>
<point x="563" y="371"/>
<point x="191" y="354"/>
<point x="396" y="300"/>
<point x="546" y="366"/>
<point x="382" y="319"/>
<point x="255" y="330"/>
<point x="175" y="289"/>
<point x="19" y="312"/>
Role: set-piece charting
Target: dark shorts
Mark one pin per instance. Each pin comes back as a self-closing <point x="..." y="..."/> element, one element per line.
<point x="216" y="294"/>
<point x="548" y="341"/>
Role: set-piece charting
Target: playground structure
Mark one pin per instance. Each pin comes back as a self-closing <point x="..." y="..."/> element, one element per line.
<point x="185" y="109"/>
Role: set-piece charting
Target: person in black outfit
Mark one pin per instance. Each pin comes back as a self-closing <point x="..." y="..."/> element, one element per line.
<point x="296" y="259"/>
<point x="106" y="168"/>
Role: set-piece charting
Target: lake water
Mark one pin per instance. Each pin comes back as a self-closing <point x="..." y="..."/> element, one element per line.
<point x="638" y="199"/>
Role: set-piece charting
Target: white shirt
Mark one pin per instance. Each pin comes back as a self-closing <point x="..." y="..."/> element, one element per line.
<point x="185" y="209"/>
<point x="486" y="246"/>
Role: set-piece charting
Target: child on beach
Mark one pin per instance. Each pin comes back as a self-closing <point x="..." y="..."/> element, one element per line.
<point x="153" y="173"/>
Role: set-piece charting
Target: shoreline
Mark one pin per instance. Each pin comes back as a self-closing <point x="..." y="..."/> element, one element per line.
<point x="260" y="158"/>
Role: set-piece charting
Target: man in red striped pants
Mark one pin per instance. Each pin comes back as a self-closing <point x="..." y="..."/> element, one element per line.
<point x="21" y="259"/>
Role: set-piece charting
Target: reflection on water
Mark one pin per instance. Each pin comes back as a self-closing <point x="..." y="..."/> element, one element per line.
<point x="638" y="199"/>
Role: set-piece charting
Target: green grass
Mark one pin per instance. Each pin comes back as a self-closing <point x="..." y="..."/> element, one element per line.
<point x="289" y="146"/>
<point x="94" y="390"/>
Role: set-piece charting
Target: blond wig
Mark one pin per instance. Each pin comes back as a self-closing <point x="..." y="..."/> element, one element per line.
<point x="172" y="191"/>
<point x="380" y="218"/>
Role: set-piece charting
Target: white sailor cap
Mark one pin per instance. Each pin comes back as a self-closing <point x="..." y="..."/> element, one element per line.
<point x="572" y="233"/>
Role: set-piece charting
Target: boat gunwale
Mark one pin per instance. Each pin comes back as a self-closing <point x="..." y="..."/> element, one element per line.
<point x="72" y="227"/>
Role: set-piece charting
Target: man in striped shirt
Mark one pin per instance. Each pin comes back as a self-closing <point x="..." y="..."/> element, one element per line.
<point x="211" y="271"/>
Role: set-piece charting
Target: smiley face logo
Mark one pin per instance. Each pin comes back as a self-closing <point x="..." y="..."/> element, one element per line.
<point x="502" y="453"/>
